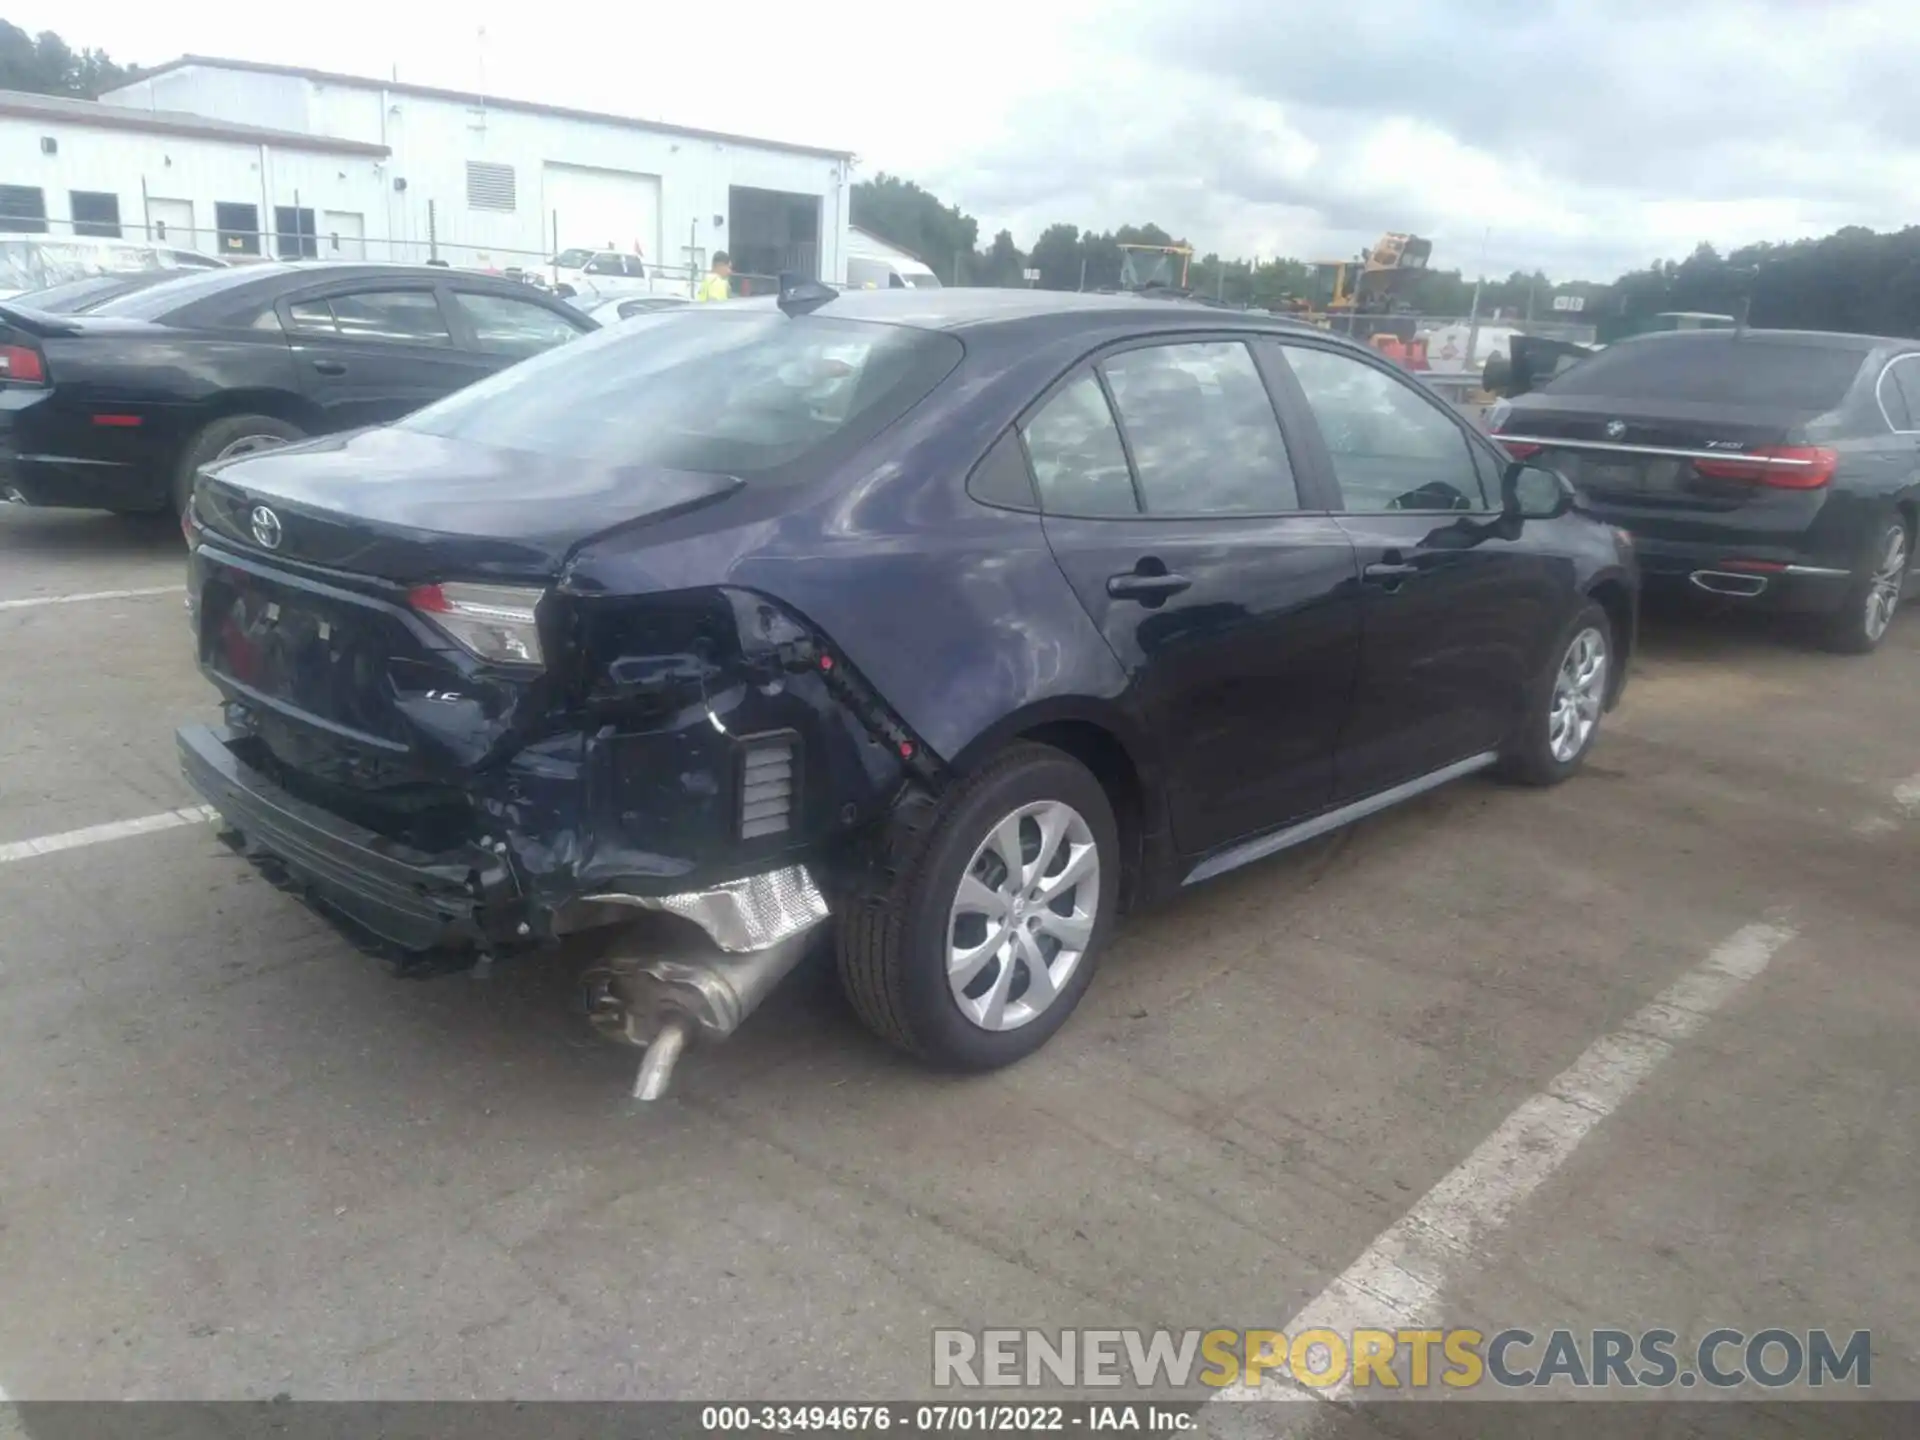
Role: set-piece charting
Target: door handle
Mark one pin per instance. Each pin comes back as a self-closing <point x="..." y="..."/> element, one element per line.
<point x="1389" y="575"/>
<point x="1148" y="589"/>
<point x="330" y="367"/>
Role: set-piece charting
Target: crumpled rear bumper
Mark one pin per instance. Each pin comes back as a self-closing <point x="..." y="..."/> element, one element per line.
<point x="413" y="900"/>
<point x="468" y="896"/>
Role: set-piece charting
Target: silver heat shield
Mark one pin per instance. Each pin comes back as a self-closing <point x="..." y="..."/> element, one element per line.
<point x="741" y="915"/>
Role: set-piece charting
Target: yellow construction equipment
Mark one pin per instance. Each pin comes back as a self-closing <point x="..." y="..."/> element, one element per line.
<point x="1154" y="266"/>
<point x="1356" y="286"/>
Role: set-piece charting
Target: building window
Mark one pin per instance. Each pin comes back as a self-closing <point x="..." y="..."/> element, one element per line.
<point x="294" y="237"/>
<point x="95" y="213"/>
<point x="23" y="209"/>
<point x="238" y="227"/>
<point x="489" y="186"/>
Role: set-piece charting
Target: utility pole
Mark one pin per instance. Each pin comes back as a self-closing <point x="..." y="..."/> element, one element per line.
<point x="1473" y="316"/>
<point x="1083" y="272"/>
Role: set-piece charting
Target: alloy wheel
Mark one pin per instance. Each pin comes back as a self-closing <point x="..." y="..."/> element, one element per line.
<point x="1883" y="587"/>
<point x="1579" y="694"/>
<point x="1023" y="915"/>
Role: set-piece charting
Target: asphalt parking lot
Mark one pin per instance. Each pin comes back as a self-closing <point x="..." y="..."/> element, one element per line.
<point x="238" y="1160"/>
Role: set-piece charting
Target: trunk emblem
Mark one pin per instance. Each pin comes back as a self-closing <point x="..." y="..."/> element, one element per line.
<point x="266" y="528"/>
<point x="1615" y="429"/>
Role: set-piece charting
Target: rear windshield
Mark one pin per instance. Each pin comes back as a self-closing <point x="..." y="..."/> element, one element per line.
<point x="77" y="295"/>
<point x="156" y="302"/>
<point x="752" y="394"/>
<point x="1767" y="374"/>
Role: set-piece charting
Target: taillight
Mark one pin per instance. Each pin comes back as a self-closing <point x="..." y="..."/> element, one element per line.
<point x="1518" y="449"/>
<point x="499" y="623"/>
<point x="1782" y="467"/>
<point x="22" y="364"/>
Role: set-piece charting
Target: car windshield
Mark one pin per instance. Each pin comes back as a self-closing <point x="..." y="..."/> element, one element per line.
<point x="572" y="259"/>
<point x="1763" y="374"/>
<point x="753" y="394"/>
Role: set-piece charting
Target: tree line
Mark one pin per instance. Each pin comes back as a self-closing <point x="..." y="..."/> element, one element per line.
<point x="44" y="64"/>
<point x="1853" y="280"/>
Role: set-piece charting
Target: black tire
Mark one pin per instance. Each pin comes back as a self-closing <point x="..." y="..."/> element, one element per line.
<point x="893" y="937"/>
<point x="1529" y="757"/>
<point x="1849" y="630"/>
<point x="218" y="436"/>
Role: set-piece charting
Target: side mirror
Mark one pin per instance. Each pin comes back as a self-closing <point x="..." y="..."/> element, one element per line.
<point x="1534" y="492"/>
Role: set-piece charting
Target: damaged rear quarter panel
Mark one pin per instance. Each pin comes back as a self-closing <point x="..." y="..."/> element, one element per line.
<point x="954" y="611"/>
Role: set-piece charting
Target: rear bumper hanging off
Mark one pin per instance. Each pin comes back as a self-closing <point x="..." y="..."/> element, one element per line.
<point x="412" y="900"/>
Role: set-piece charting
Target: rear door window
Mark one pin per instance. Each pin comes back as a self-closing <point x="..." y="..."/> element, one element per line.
<point x="1716" y="368"/>
<point x="1079" y="464"/>
<point x="1202" y="430"/>
<point x="1391" y="447"/>
<point x="406" y="316"/>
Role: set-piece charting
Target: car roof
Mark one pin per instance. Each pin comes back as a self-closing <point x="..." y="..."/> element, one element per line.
<point x="971" y="307"/>
<point x="189" y="294"/>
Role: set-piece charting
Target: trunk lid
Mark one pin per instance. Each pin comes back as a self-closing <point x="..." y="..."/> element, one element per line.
<point x="1656" y="426"/>
<point x="410" y="508"/>
<point x="1643" y="452"/>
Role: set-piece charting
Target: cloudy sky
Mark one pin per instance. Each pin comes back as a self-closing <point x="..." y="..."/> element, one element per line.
<point x="1579" y="136"/>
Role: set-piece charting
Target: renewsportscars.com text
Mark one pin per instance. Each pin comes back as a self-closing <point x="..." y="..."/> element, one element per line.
<point x="1378" y="1360"/>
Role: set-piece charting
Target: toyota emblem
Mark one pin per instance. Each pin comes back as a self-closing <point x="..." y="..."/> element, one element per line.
<point x="266" y="528"/>
<point x="1615" y="429"/>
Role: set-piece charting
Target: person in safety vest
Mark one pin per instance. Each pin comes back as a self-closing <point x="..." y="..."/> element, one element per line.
<point x="716" y="285"/>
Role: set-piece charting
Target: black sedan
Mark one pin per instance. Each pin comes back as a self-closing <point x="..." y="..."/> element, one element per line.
<point x="1778" y="469"/>
<point x="968" y="618"/>
<point x="117" y="408"/>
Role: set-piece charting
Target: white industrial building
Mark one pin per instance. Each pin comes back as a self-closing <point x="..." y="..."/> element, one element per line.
<point x="237" y="158"/>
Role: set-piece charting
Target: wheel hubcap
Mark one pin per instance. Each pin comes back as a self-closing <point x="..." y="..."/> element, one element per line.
<point x="1579" y="692"/>
<point x="1023" y="915"/>
<point x="1883" y="589"/>
<point x="248" y="444"/>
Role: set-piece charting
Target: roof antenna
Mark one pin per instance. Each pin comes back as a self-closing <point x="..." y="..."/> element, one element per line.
<point x="801" y="296"/>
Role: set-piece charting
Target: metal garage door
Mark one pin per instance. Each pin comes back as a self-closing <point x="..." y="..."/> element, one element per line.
<point x="602" y="209"/>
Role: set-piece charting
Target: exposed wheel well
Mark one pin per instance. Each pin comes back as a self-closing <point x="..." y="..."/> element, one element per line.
<point x="281" y="405"/>
<point x="1612" y="597"/>
<point x="1101" y="752"/>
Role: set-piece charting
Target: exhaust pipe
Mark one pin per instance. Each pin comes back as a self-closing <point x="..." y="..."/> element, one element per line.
<point x="661" y="998"/>
<point x="1729" y="582"/>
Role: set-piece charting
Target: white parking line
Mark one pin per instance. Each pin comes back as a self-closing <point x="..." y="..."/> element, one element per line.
<point x="1397" y="1282"/>
<point x="34" y="601"/>
<point x="99" y="834"/>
